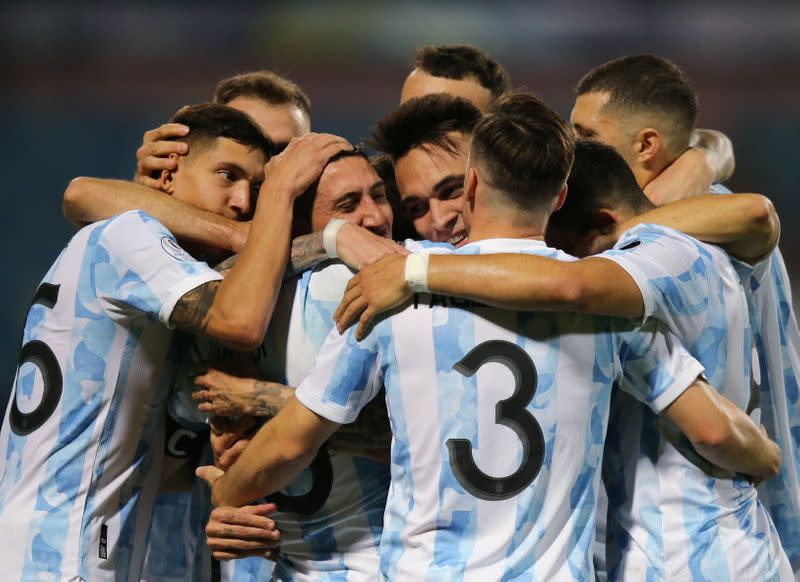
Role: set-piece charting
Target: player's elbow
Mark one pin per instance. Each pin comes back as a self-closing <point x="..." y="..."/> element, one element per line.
<point x="76" y="192"/>
<point x="298" y="453"/>
<point x="760" y="212"/>
<point x="712" y="435"/>
<point x="244" y="337"/>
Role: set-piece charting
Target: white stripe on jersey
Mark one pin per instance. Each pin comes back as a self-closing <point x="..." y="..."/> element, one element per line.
<point x="688" y="524"/>
<point x="444" y="522"/>
<point x="340" y="540"/>
<point x="77" y="484"/>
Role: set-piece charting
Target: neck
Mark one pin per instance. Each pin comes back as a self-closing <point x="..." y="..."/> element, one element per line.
<point x="650" y="170"/>
<point x="487" y="225"/>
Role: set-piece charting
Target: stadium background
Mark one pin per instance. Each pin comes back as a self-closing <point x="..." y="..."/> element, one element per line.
<point x="81" y="82"/>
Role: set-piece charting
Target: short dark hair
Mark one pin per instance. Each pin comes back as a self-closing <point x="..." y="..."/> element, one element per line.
<point x="209" y="121"/>
<point x="264" y="85"/>
<point x="526" y="149"/>
<point x="600" y="178"/>
<point x="461" y="61"/>
<point x="304" y="204"/>
<point x="650" y="84"/>
<point x="424" y="120"/>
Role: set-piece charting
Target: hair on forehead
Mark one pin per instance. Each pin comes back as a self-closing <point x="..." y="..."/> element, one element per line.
<point x="425" y="120"/>
<point x="209" y="121"/>
<point x="264" y="85"/>
<point x="462" y="61"/>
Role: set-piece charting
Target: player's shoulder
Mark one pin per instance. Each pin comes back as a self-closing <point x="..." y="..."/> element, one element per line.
<point x="327" y="281"/>
<point x="664" y="236"/>
<point x="516" y="246"/>
<point x="426" y="246"/>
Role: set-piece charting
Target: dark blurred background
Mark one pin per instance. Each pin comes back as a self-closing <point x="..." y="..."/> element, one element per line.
<point x="81" y="82"/>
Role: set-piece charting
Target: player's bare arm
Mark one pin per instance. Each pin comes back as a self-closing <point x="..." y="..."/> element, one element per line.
<point x="88" y="200"/>
<point x="355" y="246"/>
<point x="279" y="451"/>
<point x="709" y="160"/>
<point x="152" y="157"/>
<point x="238" y="311"/>
<point x="746" y="226"/>
<point x="522" y="282"/>
<point x="722" y="433"/>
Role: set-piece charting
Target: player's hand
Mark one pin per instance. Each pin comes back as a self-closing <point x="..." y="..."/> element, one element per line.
<point x="377" y="288"/>
<point x="153" y="156"/>
<point x="223" y="394"/>
<point x="302" y="162"/>
<point x="239" y="532"/>
<point x="689" y="175"/>
<point x="358" y="247"/>
<point x="225" y="436"/>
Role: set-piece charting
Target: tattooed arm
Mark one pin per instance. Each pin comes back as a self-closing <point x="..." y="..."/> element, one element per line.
<point x="224" y="394"/>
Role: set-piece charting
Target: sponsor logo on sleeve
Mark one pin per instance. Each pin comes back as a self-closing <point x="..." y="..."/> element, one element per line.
<point x="174" y="250"/>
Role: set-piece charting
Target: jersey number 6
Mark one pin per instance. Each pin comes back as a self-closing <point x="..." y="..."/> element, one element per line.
<point x="510" y="412"/>
<point x="39" y="354"/>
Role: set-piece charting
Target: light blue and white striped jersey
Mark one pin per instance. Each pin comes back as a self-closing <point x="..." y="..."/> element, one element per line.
<point x="335" y="530"/>
<point x="777" y="341"/>
<point x="499" y="420"/>
<point x="82" y="439"/>
<point x="331" y="517"/>
<point x="668" y="519"/>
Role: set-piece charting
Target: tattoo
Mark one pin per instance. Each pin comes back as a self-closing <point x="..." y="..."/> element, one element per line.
<point x="269" y="398"/>
<point x="307" y="252"/>
<point x="225" y="266"/>
<point x="191" y="313"/>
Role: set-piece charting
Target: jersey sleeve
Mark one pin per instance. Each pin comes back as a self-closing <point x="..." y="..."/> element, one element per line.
<point x="140" y="270"/>
<point x="345" y="377"/>
<point x="669" y="269"/>
<point x="656" y="368"/>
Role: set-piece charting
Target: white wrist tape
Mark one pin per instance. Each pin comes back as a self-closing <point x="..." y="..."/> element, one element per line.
<point x="329" y="234"/>
<point x="417" y="272"/>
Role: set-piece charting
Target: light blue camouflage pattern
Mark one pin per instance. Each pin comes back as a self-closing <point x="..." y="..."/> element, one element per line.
<point x="77" y="491"/>
<point x="706" y="527"/>
<point x="439" y="525"/>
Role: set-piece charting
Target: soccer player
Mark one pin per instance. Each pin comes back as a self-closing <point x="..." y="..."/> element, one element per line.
<point x="644" y="107"/>
<point x="693" y="288"/>
<point x="82" y="435"/>
<point x="330" y="518"/>
<point x="468" y="498"/>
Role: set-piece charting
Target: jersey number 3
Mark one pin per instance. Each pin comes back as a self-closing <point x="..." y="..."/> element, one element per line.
<point x="510" y="412"/>
<point x="39" y="353"/>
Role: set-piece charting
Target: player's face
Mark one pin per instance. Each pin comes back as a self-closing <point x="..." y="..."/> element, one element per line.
<point x="279" y="122"/>
<point x="350" y="189"/>
<point x="223" y="178"/>
<point x="590" y="121"/>
<point x="419" y="83"/>
<point x="431" y="185"/>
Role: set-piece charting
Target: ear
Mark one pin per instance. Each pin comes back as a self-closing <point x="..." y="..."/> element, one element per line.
<point x="167" y="178"/>
<point x="647" y="145"/>
<point x="562" y="197"/>
<point x="604" y="220"/>
<point x="471" y="186"/>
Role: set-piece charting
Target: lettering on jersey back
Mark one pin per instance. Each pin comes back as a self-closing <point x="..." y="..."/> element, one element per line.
<point x="445" y="301"/>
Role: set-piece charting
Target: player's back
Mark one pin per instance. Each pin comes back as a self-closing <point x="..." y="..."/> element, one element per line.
<point x="498" y="421"/>
<point x="81" y="437"/>
<point x="669" y="509"/>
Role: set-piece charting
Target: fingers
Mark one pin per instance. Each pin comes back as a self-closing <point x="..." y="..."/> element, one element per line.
<point x="209" y="473"/>
<point x="249" y="516"/>
<point x="351" y="293"/>
<point x="230" y="456"/>
<point x="356" y="304"/>
<point x="225" y="556"/>
<point x="365" y="323"/>
<point x="165" y="131"/>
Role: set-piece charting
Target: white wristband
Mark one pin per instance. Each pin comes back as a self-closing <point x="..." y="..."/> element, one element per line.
<point x="417" y="272"/>
<point x="329" y="234"/>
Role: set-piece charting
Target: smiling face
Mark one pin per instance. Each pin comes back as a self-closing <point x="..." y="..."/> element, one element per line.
<point x="430" y="180"/>
<point x="350" y="189"/>
<point x="221" y="176"/>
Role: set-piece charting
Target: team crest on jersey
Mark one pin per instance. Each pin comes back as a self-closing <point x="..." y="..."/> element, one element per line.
<point x="173" y="250"/>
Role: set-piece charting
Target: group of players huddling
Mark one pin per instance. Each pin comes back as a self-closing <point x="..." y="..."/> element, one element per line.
<point x="587" y="368"/>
